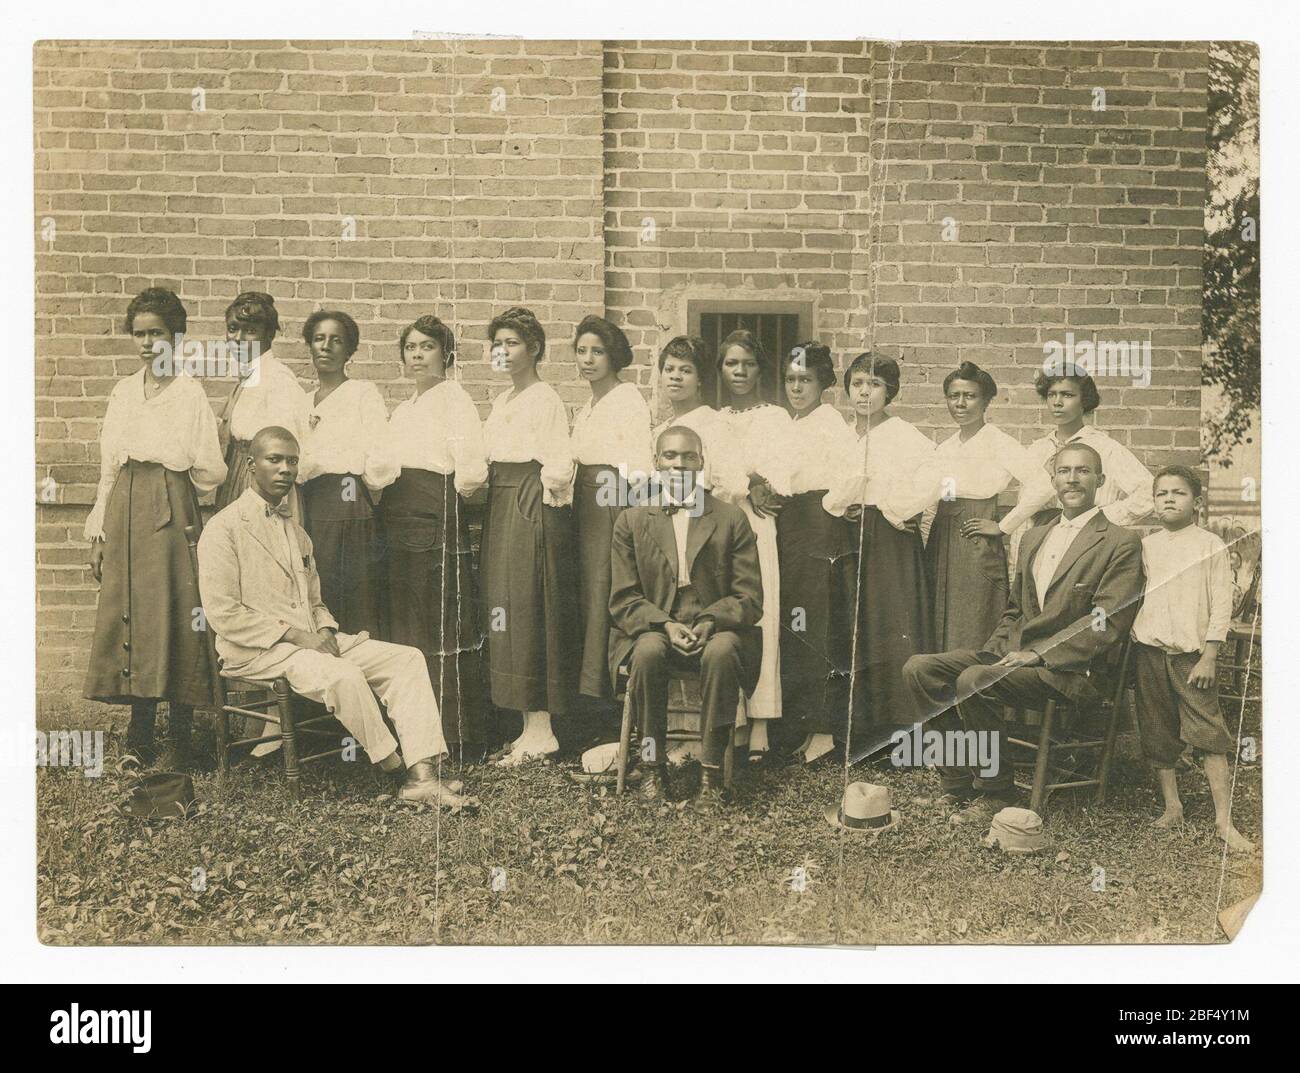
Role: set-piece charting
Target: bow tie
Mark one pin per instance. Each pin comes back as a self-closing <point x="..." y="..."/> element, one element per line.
<point x="672" y="508"/>
<point x="281" y="508"/>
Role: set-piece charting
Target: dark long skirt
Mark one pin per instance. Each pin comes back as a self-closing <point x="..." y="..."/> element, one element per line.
<point x="348" y="543"/>
<point x="238" y="478"/>
<point x="818" y="574"/>
<point x="430" y="599"/>
<point x="894" y="620"/>
<point x="530" y="594"/>
<point x="967" y="576"/>
<point x="594" y="524"/>
<point x="151" y="641"/>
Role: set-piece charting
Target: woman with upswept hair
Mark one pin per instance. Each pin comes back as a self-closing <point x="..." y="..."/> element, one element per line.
<point x="347" y="461"/>
<point x="966" y="567"/>
<point x="817" y="556"/>
<point x="268" y="393"/>
<point x="757" y="427"/>
<point x="610" y="437"/>
<point x="529" y="575"/>
<point x="431" y="598"/>
<point x="158" y="452"/>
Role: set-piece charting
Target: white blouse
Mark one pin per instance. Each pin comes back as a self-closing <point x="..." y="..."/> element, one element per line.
<point x="979" y="468"/>
<point x="348" y="433"/>
<point x="758" y="434"/>
<point x="532" y="426"/>
<point x="1125" y="498"/>
<point x="885" y="462"/>
<point x="269" y="395"/>
<point x="817" y="450"/>
<point x="615" y="432"/>
<point x="175" y="428"/>
<point x="723" y="475"/>
<point x="440" y="431"/>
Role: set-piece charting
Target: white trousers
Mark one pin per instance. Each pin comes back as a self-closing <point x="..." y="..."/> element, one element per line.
<point x="347" y="685"/>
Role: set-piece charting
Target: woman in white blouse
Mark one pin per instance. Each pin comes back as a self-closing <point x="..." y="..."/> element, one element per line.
<point x="1070" y="395"/>
<point x="431" y="599"/>
<point x="346" y="460"/>
<point x="818" y="568"/>
<point x="529" y="572"/>
<point x="966" y="558"/>
<point x="611" y="448"/>
<point x="893" y="613"/>
<point x="687" y="379"/>
<point x="747" y="384"/>
<point x="268" y="393"/>
<point x="158" y="452"/>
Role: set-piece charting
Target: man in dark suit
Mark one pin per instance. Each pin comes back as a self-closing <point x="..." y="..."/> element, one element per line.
<point x="685" y="595"/>
<point x="1076" y="592"/>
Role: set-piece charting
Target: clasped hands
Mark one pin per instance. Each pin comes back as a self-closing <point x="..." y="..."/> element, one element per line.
<point x="689" y="640"/>
<point x="323" y="640"/>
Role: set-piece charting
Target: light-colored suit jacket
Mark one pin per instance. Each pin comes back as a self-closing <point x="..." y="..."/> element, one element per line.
<point x="251" y="594"/>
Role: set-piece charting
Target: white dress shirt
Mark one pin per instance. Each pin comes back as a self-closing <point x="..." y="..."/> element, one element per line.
<point x="681" y="520"/>
<point x="615" y="432"/>
<point x="440" y="431"/>
<point x="1189" y="592"/>
<point x="348" y="433"/>
<point x="722" y="474"/>
<point x="1053" y="548"/>
<point x="885" y="459"/>
<point x="817" y="450"/>
<point x="532" y="426"/>
<point x="269" y="395"/>
<point x="978" y="468"/>
<point x="176" y="428"/>
<point x="1125" y="498"/>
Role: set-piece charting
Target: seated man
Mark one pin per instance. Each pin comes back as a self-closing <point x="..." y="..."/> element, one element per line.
<point x="261" y="593"/>
<point x="1076" y="592"/>
<point x="685" y="595"/>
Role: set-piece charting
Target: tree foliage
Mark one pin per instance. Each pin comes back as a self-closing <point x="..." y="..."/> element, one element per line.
<point x="1230" y="305"/>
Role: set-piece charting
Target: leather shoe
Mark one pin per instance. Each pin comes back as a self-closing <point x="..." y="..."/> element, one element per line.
<point x="422" y="785"/>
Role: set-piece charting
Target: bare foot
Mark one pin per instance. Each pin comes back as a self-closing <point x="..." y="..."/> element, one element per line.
<point x="1237" y="842"/>
<point x="1171" y="817"/>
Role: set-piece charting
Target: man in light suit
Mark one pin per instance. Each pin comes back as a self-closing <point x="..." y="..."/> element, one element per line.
<point x="686" y="594"/>
<point x="1077" y="589"/>
<point x="261" y="593"/>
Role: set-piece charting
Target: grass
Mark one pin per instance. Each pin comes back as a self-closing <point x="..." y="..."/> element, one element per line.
<point x="349" y="866"/>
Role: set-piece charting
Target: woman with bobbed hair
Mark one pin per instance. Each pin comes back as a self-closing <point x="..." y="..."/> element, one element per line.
<point x="529" y="569"/>
<point x="966" y="567"/>
<point x="158" y="452"/>
<point x="347" y="461"/>
<point x="431" y="598"/>
<point x="268" y="393"/>
<point x="1071" y="394"/>
<point x="747" y="387"/>
<point x="892" y="606"/>
<point x="611" y="436"/>
<point x="818" y="572"/>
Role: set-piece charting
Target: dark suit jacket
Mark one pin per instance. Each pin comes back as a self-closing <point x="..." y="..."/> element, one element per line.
<point x="1102" y="569"/>
<point x="723" y="558"/>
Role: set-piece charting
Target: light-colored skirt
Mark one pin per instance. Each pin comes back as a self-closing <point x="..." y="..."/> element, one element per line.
<point x="766" y="700"/>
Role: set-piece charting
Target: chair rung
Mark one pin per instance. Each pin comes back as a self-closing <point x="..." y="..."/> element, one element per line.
<point x="320" y="756"/>
<point x="254" y="741"/>
<point x="264" y="715"/>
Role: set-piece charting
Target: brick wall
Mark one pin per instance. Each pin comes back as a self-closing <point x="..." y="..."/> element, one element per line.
<point x="1009" y="213"/>
<point x="468" y="172"/>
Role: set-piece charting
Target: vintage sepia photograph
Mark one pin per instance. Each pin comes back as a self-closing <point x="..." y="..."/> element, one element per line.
<point x="494" y="490"/>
